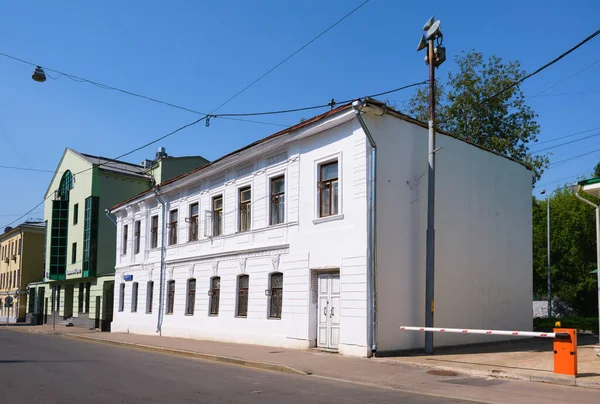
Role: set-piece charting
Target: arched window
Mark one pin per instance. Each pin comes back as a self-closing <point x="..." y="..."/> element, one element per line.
<point x="66" y="185"/>
<point x="191" y="297"/>
<point x="276" y="294"/>
<point x="122" y="297"/>
<point x="242" y="298"/>
<point x="170" y="296"/>
<point x="214" y="293"/>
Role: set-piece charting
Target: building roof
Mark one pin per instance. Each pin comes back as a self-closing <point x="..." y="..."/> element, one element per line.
<point x="115" y="166"/>
<point x="36" y="226"/>
<point x="317" y="118"/>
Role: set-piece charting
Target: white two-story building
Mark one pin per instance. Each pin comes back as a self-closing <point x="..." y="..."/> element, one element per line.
<point x="293" y="241"/>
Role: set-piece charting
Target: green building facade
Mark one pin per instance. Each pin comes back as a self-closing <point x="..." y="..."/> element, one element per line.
<point x="79" y="261"/>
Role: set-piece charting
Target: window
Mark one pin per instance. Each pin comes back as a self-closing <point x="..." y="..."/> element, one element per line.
<point x="74" y="253"/>
<point x="217" y="215"/>
<point x="245" y="209"/>
<point x="137" y="228"/>
<point x="276" y="281"/>
<point x="191" y="297"/>
<point x="122" y="297"/>
<point x="193" y="222"/>
<point x="90" y="236"/>
<point x="75" y="213"/>
<point x="242" y="304"/>
<point x="80" y="299"/>
<point x="134" y="297"/>
<point x="125" y="231"/>
<point x="173" y="227"/>
<point x="88" y="287"/>
<point x="154" y="232"/>
<point x="19" y="251"/>
<point x="31" y="300"/>
<point x="170" y="296"/>
<point x="277" y="214"/>
<point x="328" y="186"/>
<point x="215" y="289"/>
<point x="149" y="296"/>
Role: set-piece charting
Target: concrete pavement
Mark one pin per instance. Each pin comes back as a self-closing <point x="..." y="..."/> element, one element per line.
<point x="50" y="369"/>
<point x="396" y="374"/>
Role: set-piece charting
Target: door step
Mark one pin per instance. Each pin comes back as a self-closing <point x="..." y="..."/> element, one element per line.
<point x="327" y="350"/>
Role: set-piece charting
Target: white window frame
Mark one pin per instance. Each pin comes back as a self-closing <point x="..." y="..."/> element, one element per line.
<point x="238" y="186"/>
<point x="188" y="219"/>
<point x="274" y="174"/>
<point x="317" y="193"/>
<point x="214" y="193"/>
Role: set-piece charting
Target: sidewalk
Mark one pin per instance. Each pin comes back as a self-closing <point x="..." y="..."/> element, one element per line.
<point x="404" y="373"/>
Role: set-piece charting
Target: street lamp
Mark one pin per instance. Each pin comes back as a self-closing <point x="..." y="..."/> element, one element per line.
<point x="436" y="55"/>
<point x="39" y="75"/>
<point x="548" y="236"/>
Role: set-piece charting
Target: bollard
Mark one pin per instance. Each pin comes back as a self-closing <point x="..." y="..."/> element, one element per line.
<point x="565" y="351"/>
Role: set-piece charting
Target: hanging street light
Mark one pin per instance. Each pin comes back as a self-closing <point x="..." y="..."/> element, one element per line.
<point x="39" y="75"/>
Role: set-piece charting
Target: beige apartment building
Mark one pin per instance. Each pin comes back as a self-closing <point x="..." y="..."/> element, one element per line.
<point x="21" y="262"/>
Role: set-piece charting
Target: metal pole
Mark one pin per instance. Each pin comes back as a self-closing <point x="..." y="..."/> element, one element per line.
<point x="430" y="249"/>
<point x="549" y="283"/>
<point x="598" y="261"/>
<point x="54" y="307"/>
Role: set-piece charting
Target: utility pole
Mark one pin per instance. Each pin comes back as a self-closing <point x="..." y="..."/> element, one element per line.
<point x="436" y="55"/>
<point x="549" y="283"/>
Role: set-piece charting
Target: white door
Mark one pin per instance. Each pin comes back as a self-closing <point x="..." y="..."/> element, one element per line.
<point x="329" y="311"/>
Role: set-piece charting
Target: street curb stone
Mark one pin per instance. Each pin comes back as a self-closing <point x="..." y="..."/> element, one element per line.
<point x="197" y="355"/>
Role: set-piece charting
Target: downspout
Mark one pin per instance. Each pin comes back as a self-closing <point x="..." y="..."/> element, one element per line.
<point x="162" y="263"/>
<point x="107" y="213"/>
<point x="20" y="275"/>
<point x="597" y="238"/>
<point x="372" y="233"/>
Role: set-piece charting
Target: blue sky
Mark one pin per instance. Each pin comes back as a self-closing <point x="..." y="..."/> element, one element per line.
<point x="199" y="53"/>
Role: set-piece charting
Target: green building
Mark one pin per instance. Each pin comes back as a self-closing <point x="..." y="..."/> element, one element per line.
<point x="79" y="259"/>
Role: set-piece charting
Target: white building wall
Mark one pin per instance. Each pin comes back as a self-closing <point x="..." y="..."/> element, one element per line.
<point x="483" y="237"/>
<point x="299" y="248"/>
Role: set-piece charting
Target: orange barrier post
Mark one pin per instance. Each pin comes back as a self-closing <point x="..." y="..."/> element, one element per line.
<point x="565" y="351"/>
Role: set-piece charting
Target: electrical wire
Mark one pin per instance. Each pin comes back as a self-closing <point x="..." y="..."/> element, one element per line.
<point x="567" y="136"/>
<point x="566" y="143"/>
<point x="563" y="80"/>
<point x="290" y="56"/>
<point x="573" y="158"/>
<point x="27" y="169"/>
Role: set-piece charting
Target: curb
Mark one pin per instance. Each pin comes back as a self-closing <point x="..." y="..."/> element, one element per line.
<point x="197" y="355"/>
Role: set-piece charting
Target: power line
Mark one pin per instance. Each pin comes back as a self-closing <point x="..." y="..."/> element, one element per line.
<point x="563" y="80"/>
<point x="573" y="158"/>
<point x="546" y="184"/>
<point x="113" y="88"/>
<point x="330" y="104"/>
<point x="27" y="169"/>
<point x="567" y="136"/>
<point x="566" y="143"/>
<point x="290" y="56"/>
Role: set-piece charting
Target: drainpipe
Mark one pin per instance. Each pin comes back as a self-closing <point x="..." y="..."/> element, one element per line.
<point x="162" y="263"/>
<point x="597" y="237"/>
<point x="372" y="233"/>
<point x="107" y="213"/>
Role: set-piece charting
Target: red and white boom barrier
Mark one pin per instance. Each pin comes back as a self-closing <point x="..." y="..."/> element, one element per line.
<point x="489" y="332"/>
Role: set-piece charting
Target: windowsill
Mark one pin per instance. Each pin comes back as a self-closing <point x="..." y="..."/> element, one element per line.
<point x="148" y="312"/>
<point x="331" y="218"/>
<point x="189" y="314"/>
<point x="273" y="318"/>
<point x="169" y="314"/>
<point x="213" y="315"/>
<point x="241" y="316"/>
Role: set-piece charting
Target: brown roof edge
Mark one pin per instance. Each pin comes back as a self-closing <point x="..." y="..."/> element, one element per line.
<point x="312" y="120"/>
<point x="265" y="139"/>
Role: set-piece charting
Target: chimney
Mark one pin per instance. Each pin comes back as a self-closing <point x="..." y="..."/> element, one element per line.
<point x="161" y="153"/>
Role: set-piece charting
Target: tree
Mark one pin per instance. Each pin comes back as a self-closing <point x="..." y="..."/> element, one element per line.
<point x="573" y="251"/>
<point x="504" y="124"/>
<point x="597" y="171"/>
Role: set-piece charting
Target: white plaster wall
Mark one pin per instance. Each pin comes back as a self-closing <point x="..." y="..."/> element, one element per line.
<point x="304" y="245"/>
<point x="483" y="237"/>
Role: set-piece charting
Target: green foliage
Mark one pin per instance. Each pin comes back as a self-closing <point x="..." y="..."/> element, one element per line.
<point x="580" y="323"/>
<point x="505" y="124"/>
<point x="573" y="251"/>
<point x="597" y="171"/>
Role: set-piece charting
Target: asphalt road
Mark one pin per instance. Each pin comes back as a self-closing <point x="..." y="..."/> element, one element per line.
<point x="51" y="369"/>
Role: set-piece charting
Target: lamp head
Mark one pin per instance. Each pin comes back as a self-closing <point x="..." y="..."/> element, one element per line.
<point x="434" y="31"/>
<point x="422" y="44"/>
<point x="428" y="24"/>
<point x="39" y="75"/>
